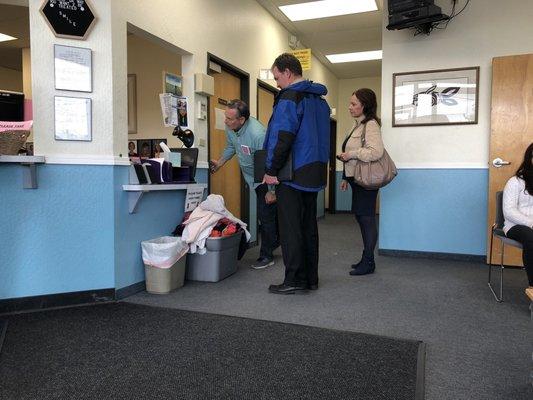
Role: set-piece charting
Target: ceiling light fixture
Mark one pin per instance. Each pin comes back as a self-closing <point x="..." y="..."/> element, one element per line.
<point x="353" y="57"/>
<point x="326" y="8"/>
<point x="5" y="38"/>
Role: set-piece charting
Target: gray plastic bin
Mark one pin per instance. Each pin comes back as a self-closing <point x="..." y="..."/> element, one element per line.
<point x="165" y="280"/>
<point x="219" y="262"/>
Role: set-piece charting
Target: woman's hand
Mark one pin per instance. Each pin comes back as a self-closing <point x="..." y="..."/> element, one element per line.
<point x="344" y="157"/>
<point x="344" y="185"/>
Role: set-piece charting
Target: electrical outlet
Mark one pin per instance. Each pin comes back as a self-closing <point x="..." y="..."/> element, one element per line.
<point x="202" y="143"/>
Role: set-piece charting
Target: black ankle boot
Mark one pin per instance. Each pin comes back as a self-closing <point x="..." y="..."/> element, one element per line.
<point x="365" y="267"/>
<point x="355" y="266"/>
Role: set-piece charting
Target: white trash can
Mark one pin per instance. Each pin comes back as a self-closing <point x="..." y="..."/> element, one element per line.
<point x="164" y="263"/>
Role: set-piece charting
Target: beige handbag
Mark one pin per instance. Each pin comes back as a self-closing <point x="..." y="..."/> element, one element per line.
<point x="374" y="174"/>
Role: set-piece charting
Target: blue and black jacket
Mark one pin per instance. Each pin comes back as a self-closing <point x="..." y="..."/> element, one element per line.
<point x="300" y="125"/>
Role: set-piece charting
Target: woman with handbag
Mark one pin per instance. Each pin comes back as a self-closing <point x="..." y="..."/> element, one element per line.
<point x="363" y="143"/>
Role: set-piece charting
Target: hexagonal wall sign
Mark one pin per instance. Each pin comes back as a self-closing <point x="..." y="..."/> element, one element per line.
<point x="71" y="19"/>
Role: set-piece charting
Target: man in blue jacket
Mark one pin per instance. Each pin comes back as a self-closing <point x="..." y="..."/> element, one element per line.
<point x="298" y="131"/>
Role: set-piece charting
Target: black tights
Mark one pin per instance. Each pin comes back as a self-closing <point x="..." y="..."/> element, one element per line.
<point x="524" y="235"/>
<point x="369" y="231"/>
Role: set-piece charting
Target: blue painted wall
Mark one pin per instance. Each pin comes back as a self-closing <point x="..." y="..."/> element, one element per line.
<point x="74" y="232"/>
<point x="57" y="238"/>
<point x="157" y="215"/>
<point x="435" y="210"/>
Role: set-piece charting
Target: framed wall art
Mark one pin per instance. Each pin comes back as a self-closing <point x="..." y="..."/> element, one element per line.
<point x="73" y="68"/>
<point x="437" y="97"/>
<point x="172" y="83"/>
<point x="73" y="118"/>
<point x="132" y="103"/>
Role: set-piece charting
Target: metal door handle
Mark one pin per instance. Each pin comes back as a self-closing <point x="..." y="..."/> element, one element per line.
<point x="498" y="162"/>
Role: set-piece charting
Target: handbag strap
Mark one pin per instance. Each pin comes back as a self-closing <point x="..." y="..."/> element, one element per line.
<point x="363" y="138"/>
<point x="346" y="138"/>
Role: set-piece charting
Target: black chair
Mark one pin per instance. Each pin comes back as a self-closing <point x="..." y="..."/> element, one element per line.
<point x="497" y="231"/>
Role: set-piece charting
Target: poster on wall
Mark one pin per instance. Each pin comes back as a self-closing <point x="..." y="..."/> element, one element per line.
<point x="438" y="97"/>
<point x="183" y="114"/>
<point x="72" y="117"/>
<point x="169" y="109"/>
<point x="73" y="68"/>
<point x="172" y="83"/>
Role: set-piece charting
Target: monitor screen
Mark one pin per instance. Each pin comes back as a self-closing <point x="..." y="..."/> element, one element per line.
<point x="189" y="158"/>
<point x="11" y="106"/>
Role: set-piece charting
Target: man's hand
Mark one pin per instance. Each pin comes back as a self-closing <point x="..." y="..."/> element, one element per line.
<point x="344" y="185"/>
<point x="214" y="166"/>
<point x="270" y="180"/>
<point x="270" y="197"/>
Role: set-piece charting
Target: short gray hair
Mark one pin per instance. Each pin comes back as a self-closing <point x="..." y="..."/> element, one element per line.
<point x="242" y="108"/>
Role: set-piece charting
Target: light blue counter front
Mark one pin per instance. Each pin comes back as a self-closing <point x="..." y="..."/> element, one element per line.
<point x="74" y="233"/>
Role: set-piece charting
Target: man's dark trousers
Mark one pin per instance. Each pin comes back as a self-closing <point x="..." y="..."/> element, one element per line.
<point x="299" y="235"/>
<point x="267" y="214"/>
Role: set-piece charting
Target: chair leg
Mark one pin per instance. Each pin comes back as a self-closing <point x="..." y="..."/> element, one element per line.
<point x="499" y="298"/>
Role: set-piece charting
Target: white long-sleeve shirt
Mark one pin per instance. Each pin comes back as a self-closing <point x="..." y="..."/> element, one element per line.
<point x="517" y="204"/>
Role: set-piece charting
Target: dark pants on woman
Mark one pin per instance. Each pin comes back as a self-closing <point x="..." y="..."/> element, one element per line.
<point x="364" y="208"/>
<point x="268" y="219"/>
<point x="524" y="235"/>
<point x="298" y="231"/>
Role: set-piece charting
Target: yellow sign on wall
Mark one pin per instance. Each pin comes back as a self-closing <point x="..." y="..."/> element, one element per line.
<point x="304" y="56"/>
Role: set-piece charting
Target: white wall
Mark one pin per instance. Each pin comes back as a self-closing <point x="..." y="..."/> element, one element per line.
<point x="237" y="31"/>
<point x="10" y="79"/>
<point x="344" y="119"/>
<point x="484" y="30"/>
<point x="100" y="150"/>
<point x="148" y="61"/>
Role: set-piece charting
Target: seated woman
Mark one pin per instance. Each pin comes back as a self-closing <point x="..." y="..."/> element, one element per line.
<point x="518" y="210"/>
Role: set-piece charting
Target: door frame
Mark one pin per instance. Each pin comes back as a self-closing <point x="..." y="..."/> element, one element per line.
<point x="332" y="190"/>
<point x="266" y="86"/>
<point x="245" y="96"/>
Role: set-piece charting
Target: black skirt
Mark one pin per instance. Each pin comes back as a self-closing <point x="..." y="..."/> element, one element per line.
<point x="363" y="200"/>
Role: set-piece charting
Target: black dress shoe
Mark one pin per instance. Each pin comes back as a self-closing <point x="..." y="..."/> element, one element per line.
<point x="355" y="266"/>
<point x="287" y="289"/>
<point x="366" y="267"/>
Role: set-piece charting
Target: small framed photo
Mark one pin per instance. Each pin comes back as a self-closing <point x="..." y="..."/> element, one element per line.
<point x="73" y="118"/>
<point x="157" y="151"/>
<point x="132" y="149"/>
<point x="183" y="119"/>
<point x="144" y="148"/>
<point x="437" y="97"/>
<point x="172" y="83"/>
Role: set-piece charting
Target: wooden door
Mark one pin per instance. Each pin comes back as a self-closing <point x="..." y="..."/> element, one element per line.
<point x="511" y="131"/>
<point x="227" y="180"/>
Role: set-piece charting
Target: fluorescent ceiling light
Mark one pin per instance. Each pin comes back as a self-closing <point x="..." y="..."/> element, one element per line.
<point x="5" y="38"/>
<point x="351" y="57"/>
<point x="327" y="8"/>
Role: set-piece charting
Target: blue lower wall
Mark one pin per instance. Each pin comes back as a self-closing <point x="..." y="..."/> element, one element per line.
<point x="435" y="210"/>
<point x="57" y="238"/>
<point x="74" y="232"/>
<point x="157" y="215"/>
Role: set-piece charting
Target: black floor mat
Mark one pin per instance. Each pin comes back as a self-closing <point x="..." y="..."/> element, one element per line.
<point x="125" y="351"/>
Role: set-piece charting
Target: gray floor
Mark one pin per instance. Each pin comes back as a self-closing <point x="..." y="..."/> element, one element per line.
<point x="476" y="348"/>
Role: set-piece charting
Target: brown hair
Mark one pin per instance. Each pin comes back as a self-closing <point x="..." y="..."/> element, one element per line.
<point x="368" y="100"/>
